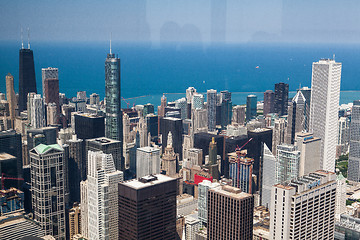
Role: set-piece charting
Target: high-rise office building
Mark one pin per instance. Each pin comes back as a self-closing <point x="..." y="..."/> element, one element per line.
<point x="251" y="107"/>
<point x="309" y="147"/>
<point x="238" y="115"/>
<point x="268" y="176"/>
<point x="190" y="93"/>
<point x="147" y="161"/>
<point x="226" y="113"/>
<point x="108" y="146"/>
<point x="343" y="136"/>
<point x="279" y="131"/>
<point x="52" y="92"/>
<point x="89" y="126"/>
<point x="182" y="105"/>
<point x="199" y="120"/>
<point x="94" y="99"/>
<point x="147" y="208"/>
<point x="230" y="214"/>
<point x="281" y="98"/>
<point x="296" y="117"/>
<point x="48" y="189"/>
<point x="211" y="109"/>
<point x="173" y="125"/>
<point x="287" y="163"/>
<point x="148" y="109"/>
<point x="240" y="171"/>
<point x="307" y="94"/>
<point x="48" y="73"/>
<point x="325" y="94"/>
<point x="197" y="101"/>
<point x="161" y="108"/>
<point x="37" y="111"/>
<point x="304" y="208"/>
<point x="354" y="152"/>
<point x="52" y="115"/>
<point x="269" y="98"/>
<point x="27" y="80"/>
<point x="100" y="204"/>
<point x="203" y="188"/>
<point x="11" y="98"/>
<point x="113" y="127"/>
<point x="74" y="221"/>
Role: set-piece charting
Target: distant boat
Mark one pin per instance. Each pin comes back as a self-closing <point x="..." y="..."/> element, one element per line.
<point x="257" y="67"/>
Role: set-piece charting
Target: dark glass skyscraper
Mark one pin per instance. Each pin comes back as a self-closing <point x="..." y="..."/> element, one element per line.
<point x="281" y="98"/>
<point x="27" y="80"/>
<point x="113" y="126"/>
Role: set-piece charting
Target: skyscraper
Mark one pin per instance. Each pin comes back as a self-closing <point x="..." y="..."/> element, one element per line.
<point x="204" y="187"/>
<point x="51" y="89"/>
<point x="211" y="108"/>
<point x="27" y="80"/>
<point x="113" y="127"/>
<point x="287" y="163"/>
<point x="147" y="208"/>
<point x="147" y="161"/>
<point x="230" y="214"/>
<point x="304" y="208"/>
<point x="10" y="96"/>
<point x="296" y="117"/>
<point x="182" y="105"/>
<point x="74" y="221"/>
<point x="37" y="111"/>
<point x="240" y="171"/>
<point x="251" y="107"/>
<point x="99" y="207"/>
<point x="354" y="152"/>
<point x="281" y="98"/>
<point x="269" y="97"/>
<point x="238" y="115"/>
<point x="268" y="176"/>
<point x="325" y="94"/>
<point x="278" y="136"/>
<point x="197" y="101"/>
<point x="48" y="189"/>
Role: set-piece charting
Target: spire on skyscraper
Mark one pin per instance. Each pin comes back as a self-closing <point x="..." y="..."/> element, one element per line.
<point x="22" y="40"/>
<point x="28" y="38"/>
<point x="110" y="42"/>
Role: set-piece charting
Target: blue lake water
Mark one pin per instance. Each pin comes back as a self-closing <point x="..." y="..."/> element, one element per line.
<point x="151" y="71"/>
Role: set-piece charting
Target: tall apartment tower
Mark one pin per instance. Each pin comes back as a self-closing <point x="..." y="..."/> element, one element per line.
<point x="48" y="189"/>
<point x="99" y="207"/>
<point x="52" y="116"/>
<point x="204" y="187"/>
<point x="147" y="208"/>
<point x="287" y="163"/>
<point x="304" y="208"/>
<point x="211" y="108"/>
<point x="74" y="221"/>
<point x="37" y="111"/>
<point x="27" y="80"/>
<point x="281" y="98"/>
<point x="296" y="117"/>
<point x="199" y="120"/>
<point x="309" y="147"/>
<point x="11" y="98"/>
<point x="268" y="176"/>
<point x="269" y="97"/>
<point x="182" y="105"/>
<point x="238" y="115"/>
<point x="325" y="94"/>
<point x="251" y="107"/>
<point x="354" y="152"/>
<point x="230" y="214"/>
<point x="113" y="127"/>
<point x="147" y="161"/>
<point x="197" y="101"/>
<point x="278" y="136"/>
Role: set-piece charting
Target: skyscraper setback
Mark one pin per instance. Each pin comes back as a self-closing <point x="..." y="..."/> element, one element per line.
<point x="325" y="95"/>
<point x="27" y="80"/>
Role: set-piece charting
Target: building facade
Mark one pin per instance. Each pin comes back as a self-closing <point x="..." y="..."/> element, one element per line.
<point x="27" y="80"/>
<point x="354" y="152"/>
<point x="269" y="97"/>
<point x="211" y="109"/>
<point x="251" y="107"/>
<point x="281" y="98"/>
<point x="147" y="161"/>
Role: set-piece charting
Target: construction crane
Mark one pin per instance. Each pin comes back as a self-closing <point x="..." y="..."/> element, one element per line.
<point x="238" y="153"/>
<point x="3" y="178"/>
<point x="127" y="103"/>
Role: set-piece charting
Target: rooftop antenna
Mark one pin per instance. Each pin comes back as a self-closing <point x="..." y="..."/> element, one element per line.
<point x="22" y="40"/>
<point x="28" y="38"/>
<point x="334" y="56"/>
<point x="110" y="41"/>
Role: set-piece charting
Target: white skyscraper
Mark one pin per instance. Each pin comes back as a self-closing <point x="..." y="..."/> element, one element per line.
<point x="204" y="187"/>
<point x="182" y="104"/>
<point x="325" y="94"/>
<point x="268" y="176"/>
<point x="99" y="206"/>
<point x="147" y="161"/>
<point x="287" y="162"/>
<point x="37" y="111"/>
<point x="199" y="120"/>
<point x="304" y="208"/>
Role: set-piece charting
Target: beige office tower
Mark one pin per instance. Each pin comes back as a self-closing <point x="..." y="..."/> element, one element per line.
<point x="324" y="105"/>
<point x="11" y="98"/>
<point x="304" y="208"/>
<point x="309" y="147"/>
<point x="278" y="136"/>
<point x="51" y="114"/>
<point x="199" y="120"/>
<point x="230" y="214"/>
<point x="74" y="221"/>
<point x="238" y="115"/>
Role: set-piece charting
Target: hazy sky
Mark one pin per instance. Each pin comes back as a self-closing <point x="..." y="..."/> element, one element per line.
<point x="182" y="20"/>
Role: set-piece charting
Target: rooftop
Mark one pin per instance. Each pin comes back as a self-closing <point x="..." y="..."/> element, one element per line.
<point x="6" y="156"/>
<point x="42" y="148"/>
<point x="103" y="140"/>
<point x="148" y="181"/>
<point x="232" y="192"/>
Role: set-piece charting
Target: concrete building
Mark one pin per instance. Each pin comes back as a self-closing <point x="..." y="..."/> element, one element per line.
<point x="304" y="208"/>
<point x="309" y="147"/>
<point x="269" y="97"/>
<point x="147" y="161"/>
<point x="287" y="163"/>
<point x="340" y="206"/>
<point x="47" y="186"/>
<point x="325" y="95"/>
<point x="168" y="160"/>
<point x="344" y="135"/>
<point x="94" y="99"/>
<point x="37" y="111"/>
<point x="99" y="197"/>
<point x="354" y="152"/>
<point x="268" y="177"/>
<point x="203" y="189"/>
<point x="51" y="94"/>
<point x="52" y="115"/>
<point x="74" y="221"/>
<point x="192" y="226"/>
<point x="182" y="105"/>
<point x="11" y="97"/>
<point x="199" y="120"/>
<point x="197" y="101"/>
<point x="238" y="115"/>
<point x="147" y="208"/>
<point x="230" y="214"/>
<point x="278" y="136"/>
